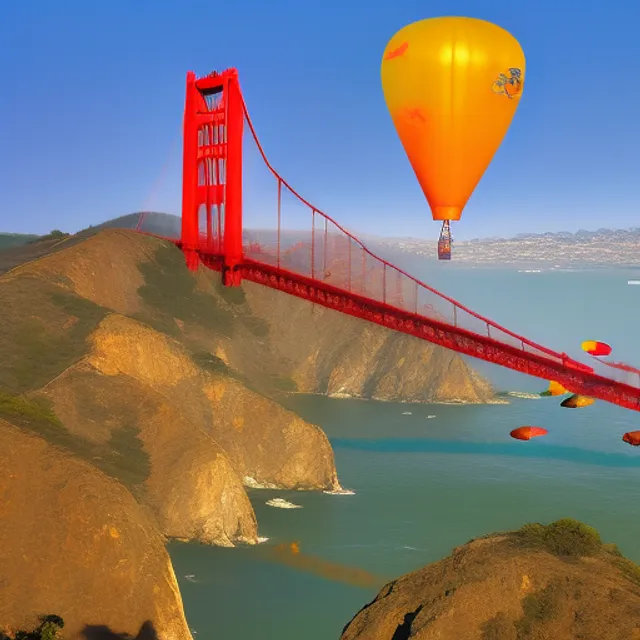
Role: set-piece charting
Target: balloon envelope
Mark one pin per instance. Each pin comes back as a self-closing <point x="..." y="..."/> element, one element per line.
<point x="526" y="433"/>
<point x="577" y="401"/>
<point x="595" y="348"/>
<point x="452" y="86"/>
<point x="555" y="389"/>
<point x="632" y="438"/>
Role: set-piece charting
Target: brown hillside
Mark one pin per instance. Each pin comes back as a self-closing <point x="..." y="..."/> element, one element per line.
<point x="541" y="583"/>
<point x="75" y="542"/>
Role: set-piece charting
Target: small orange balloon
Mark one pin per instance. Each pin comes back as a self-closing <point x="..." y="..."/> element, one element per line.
<point x="526" y="433"/>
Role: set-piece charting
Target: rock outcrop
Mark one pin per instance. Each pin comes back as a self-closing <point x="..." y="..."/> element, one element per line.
<point x="74" y="542"/>
<point x="540" y="583"/>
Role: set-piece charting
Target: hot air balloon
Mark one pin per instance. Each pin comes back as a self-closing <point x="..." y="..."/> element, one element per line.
<point x="577" y="401"/>
<point x="595" y="348"/>
<point x="555" y="389"/>
<point x="452" y="86"/>
<point x="526" y="433"/>
<point x="632" y="438"/>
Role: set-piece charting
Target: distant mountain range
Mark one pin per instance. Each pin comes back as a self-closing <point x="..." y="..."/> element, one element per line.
<point x="604" y="247"/>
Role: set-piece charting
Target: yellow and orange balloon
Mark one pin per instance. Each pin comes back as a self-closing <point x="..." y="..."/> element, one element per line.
<point x="452" y="86"/>
<point x="596" y="348"/>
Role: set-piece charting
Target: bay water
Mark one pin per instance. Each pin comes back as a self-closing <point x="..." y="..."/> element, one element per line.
<point x="429" y="477"/>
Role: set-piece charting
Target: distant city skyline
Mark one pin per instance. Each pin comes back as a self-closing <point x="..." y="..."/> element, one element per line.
<point x="93" y="96"/>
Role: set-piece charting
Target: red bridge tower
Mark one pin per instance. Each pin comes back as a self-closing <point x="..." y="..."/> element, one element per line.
<point x="212" y="173"/>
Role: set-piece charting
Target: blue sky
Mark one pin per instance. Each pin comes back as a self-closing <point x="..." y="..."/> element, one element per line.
<point x="92" y="98"/>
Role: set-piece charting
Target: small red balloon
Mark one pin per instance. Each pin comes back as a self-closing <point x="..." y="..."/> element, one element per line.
<point x="632" y="438"/>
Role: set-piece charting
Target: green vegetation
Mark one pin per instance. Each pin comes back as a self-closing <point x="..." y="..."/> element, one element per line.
<point x="122" y="458"/>
<point x="28" y="412"/>
<point x="538" y="608"/>
<point x="211" y="363"/>
<point x="48" y="629"/>
<point x="44" y="332"/>
<point x="283" y="383"/>
<point x="56" y="234"/>
<point x="15" y="239"/>
<point x="564" y="538"/>
<point x="629" y="569"/>
<point x="125" y="459"/>
<point x="170" y="289"/>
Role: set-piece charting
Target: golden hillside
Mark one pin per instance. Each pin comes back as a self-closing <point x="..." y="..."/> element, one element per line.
<point x="164" y="385"/>
<point x="552" y="582"/>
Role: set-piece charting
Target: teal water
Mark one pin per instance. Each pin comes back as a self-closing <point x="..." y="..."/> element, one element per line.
<point x="425" y="485"/>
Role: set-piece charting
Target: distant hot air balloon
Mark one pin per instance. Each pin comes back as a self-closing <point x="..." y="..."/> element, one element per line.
<point x="595" y="348"/>
<point x="632" y="438"/>
<point x="577" y="401"/>
<point x="555" y="389"/>
<point x="452" y="86"/>
<point x="526" y="433"/>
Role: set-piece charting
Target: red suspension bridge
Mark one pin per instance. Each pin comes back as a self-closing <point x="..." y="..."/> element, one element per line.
<point x="326" y="264"/>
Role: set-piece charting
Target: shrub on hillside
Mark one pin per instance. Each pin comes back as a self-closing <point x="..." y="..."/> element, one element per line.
<point x="566" y="537"/>
<point x="48" y="629"/>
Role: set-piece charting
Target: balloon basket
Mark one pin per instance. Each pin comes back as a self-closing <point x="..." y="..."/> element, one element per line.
<point x="445" y="241"/>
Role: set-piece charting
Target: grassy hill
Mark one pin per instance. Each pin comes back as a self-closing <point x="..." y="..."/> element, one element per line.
<point x="15" y="239"/>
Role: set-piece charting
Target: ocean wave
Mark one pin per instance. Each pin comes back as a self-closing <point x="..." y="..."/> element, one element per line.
<point x="282" y="504"/>
<point x="340" y="492"/>
<point x="407" y="413"/>
<point x="525" y="395"/>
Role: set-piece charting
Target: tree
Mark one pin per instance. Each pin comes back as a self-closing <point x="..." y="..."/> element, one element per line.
<point x="48" y="629"/>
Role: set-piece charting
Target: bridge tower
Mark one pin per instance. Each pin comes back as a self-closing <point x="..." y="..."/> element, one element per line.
<point x="212" y="173"/>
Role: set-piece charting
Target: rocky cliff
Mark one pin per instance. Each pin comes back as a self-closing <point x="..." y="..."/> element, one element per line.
<point x="163" y="383"/>
<point x="539" y="583"/>
<point x="75" y="541"/>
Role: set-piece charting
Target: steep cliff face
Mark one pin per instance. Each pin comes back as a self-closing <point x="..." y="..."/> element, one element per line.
<point x="202" y="432"/>
<point x="346" y="357"/>
<point x="541" y="583"/>
<point x="75" y="542"/>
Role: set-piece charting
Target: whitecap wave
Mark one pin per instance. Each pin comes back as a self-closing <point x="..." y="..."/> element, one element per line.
<point x="524" y="395"/>
<point x="430" y="417"/>
<point x="252" y="483"/>
<point x="282" y="504"/>
<point x="340" y="492"/>
<point x="407" y="413"/>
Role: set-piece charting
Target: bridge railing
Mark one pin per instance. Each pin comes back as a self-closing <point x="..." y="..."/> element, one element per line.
<point x="316" y="246"/>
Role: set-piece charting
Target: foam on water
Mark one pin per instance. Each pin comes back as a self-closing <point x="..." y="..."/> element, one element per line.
<point x="282" y="504"/>
<point x="340" y="492"/>
<point x="524" y="395"/>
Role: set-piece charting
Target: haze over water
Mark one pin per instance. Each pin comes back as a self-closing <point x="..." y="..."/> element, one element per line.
<point x="424" y="485"/>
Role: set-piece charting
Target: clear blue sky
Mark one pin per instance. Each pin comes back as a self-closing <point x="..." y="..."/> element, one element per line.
<point x="91" y="108"/>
